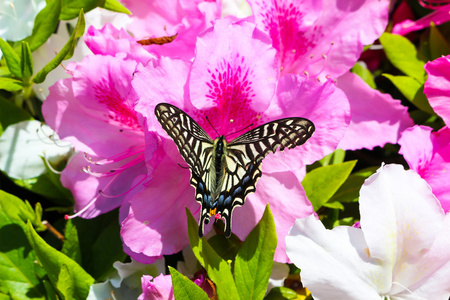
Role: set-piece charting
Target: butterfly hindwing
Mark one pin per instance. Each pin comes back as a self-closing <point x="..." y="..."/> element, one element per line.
<point x="222" y="173"/>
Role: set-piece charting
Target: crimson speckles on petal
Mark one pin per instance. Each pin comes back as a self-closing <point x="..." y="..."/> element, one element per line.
<point x="283" y="22"/>
<point x="119" y="110"/>
<point x="230" y="88"/>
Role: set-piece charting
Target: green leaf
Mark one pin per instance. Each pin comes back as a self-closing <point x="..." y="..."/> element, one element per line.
<point x="438" y="43"/>
<point x="281" y="293"/>
<point x="26" y="62"/>
<point x="66" y="283"/>
<point x="53" y="261"/>
<point x="100" y="243"/>
<point x="12" y="59"/>
<point x="320" y="184"/>
<point x="349" y="191"/>
<point x="10" y="84"/>
<point x="65" y="53"/>
<point x="254" y="261"/>
<point x="365" y="74"/>
<point x="227" y="248"/>
<point x="184" y="288"/>
<point x="20" y="276"/>
<point x="71" y="8"/>
<point x="45" y="24"/>
<point x="403" y="55"/>
<point x="11" y="113"/>
<point x="218" y="269"/>
<point x="71" y="246"/>
<point x="334" y="205"/>
<point x="412" y="90"/>
<point x="116" y="6"/>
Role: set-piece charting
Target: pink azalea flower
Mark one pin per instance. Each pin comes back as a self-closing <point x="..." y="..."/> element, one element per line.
<point x="438" y="17"/>
<point x="110" y="41"/>
<point x="324" y="39"/>
<point x="233" y="81"/>
<point x="321" y="38"/>
<point x="158" y="288"/>
<point x="187" y="18"/>
<point x="94" y="110"/>
<point x="400" y="251"/>
<point x="377" y="118"/>
<point x="437" y="87"/>
<point x="430" y="158"/>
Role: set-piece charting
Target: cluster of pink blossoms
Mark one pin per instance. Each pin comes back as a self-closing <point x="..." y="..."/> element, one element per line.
<point x="290" y="59"/>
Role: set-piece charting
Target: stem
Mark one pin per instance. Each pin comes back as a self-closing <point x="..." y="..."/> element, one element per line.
<point x="52" y="229"/>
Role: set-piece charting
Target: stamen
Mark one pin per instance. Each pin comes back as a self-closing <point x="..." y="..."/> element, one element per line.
<point x="120" y="195"/>
<point x="49" y="165"/>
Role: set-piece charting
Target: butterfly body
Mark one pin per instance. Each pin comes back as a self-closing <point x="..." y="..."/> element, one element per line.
<point x="222" y="173"/>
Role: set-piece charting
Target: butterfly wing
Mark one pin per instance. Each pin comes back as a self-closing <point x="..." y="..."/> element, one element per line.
<point x="190" y="139"/>
<point x="245" y="154"/>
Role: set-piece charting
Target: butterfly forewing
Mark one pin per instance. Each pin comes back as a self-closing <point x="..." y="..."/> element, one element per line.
<point x="283" y="133"/>
<point x="240" y="163"/>
<point x="191" y="140"/>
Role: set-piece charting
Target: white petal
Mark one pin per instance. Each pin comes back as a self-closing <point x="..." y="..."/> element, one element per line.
<point x="400" y="218"/>
<point x="333" y="263"/>
<point x="23" y="144"/>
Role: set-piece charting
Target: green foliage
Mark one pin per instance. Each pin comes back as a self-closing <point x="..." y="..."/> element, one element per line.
<point x="71" y="8"/>
<point x="252" y="266"/>
<point x="281" y="293"/>
<point x="26" y="62"/>
<point x="45" y="24"/>
<point x="184" y="288"/>
<point x="365" y="74"/>
<point x="65" y="53"/>
<point x="254" y="260"/>
<point x="12" y="59"/>
<point x="66" y="276"/>
<point x="321" y="183"/>
<point x="20" y="276"/>
<point x="408" y="60"/>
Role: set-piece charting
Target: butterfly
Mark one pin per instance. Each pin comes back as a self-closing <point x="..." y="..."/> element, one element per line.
<point x="222" y="173"/>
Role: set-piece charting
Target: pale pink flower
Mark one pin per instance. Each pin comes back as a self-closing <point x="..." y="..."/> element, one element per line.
<point x="233" y="77"/>
<point x="437" y="87"/>
<point x="157" y="288"/>
<point x="186" y="18"/>
<point x="438" y="17"/>
<point x="94" y="110"/>
<point x="324" y="39"/>
<point x="428" y="153"/>
<point x="400" y="251"/>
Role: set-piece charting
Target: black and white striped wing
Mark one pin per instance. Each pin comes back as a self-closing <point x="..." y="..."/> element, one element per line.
<point x="245" y="154"/>
<point x="191" y="140"/>
<point x="282" y="133"/>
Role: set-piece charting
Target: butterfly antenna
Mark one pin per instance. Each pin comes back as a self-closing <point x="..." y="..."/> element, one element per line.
<point x="207" y="119"/>
<point x="183" y="167"/>
<point x="242" y="129"/>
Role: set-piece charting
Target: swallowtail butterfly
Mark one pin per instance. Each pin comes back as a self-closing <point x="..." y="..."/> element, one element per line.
<point x="222" y="173"/>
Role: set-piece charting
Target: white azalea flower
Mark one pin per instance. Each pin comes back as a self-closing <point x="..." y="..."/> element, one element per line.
<point x="17" y="18"/>
<point x="401" y="250"/>
<point x="23" y="145"/>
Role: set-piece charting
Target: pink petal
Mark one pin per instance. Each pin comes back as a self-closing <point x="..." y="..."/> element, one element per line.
<point x="235" y="64"/>
<point x="64" y="113"/>
<point x="185" y="18"/>
<point x="329" y="45"/>
<point x="437" y="86"/>
<point x="417" y="154"/>
<point x="157" y="212"/>
<point x="158" y="288"/>
<point x="110" y="41"/>
<point x="86" y="188"/>
<point x="160" y="81"/>
<point x="287" y="200"/>
<point x="438" y="17"/>
<point x="376" y="118"/>
<point x="325" y="105"/>
<point x="430" y="158"/>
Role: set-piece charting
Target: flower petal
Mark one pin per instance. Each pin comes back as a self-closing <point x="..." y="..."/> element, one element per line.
<point x="376" y="118"/>
<point x="437" y="86"/>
